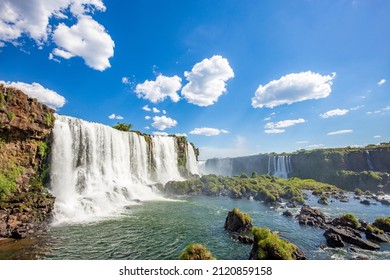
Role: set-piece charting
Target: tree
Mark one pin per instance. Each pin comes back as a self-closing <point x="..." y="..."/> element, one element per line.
<point x="123" y="126"/>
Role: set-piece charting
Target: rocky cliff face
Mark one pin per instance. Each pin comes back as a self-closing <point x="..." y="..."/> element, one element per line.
<point x="25" y="127"/>
<point x="367" y="168"/>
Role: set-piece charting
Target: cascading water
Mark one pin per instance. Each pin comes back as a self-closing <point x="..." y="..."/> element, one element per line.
<point x="191" y="163"/>
<point x="96" y="170"/>
<point x="279" y="166"/>
<point x="368" y="160"/>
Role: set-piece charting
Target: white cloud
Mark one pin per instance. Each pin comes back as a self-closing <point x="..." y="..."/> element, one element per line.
<point x="146" y="108"/>
<point x="181" y="134"/>
<point x="147" y="127"/>
<point x="382" y="82"/>
<point x="377" y="136"/>
<point x="208" y="131"/>
<point x="155" y="110"/>
<point x="292" y="88"/>
<point x="147" y="117"/>
<point x="115" y="117"/>
<point x="163" y="122"/>
<point x="283" y="124"/>
<point x="302" y="142"/>
<point x="315" y="146"/>
<point x="87" y="38"/>
<point x="160" y="133"/>
<point x="164" y="112"/>
<point x="160" y="89"/>
<point x="125" y="80"/>
<point x="345" y="131"/>
<point x="267" y="119"/>
<point x="207" y="81"/>
<point x="274" y="131"/>
<point x="356" y="108"/>
<point x="332" y="113"/>
<point x="43" y="95"/>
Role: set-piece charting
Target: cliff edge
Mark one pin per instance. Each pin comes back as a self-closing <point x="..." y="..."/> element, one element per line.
<point x="25" y="128"/>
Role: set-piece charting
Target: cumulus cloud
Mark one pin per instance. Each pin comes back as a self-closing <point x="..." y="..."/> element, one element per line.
<point x="160" y="133"/>
<point x="332" y="113"/>
<point x="181" y="134"/>
<point x="146" y="108"/>
<point x="160" y="89"/>
<point x="208" y="131"/>
<point x="155" y="110"/>
<point x="147" y="117"/>
<point x="125" y="80"/>
<point x="115" y="117"/>
<point x="163" y="122"/>
<point x="292" y="88"/>
<point x="382" y="82"/>
<point x="302" y="142"/>
<point x="87" y="38"/>
<point x="338" y="132"/>
<point x="42" y="94"/>
<point x="164" y="112"/>
<point x="147" y="127"/>
<point x="377" y="136"/>
<point x="207" y="81"/>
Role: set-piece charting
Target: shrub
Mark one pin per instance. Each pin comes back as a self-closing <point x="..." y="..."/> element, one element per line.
<point x="43" y="148"/>
<point x="196" y="251"/>
<point x="351" y="217"/>
<point x="8" y="176"/>
<point x="374" y="229"/>
<point x="270" y="246"/>
<point x="383" y="221"/>
<point x="358" y="191"/>
<point x="123" y="126"/>
<point x="244" y="217"/>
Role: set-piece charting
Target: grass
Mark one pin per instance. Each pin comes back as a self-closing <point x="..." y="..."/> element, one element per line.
<point x="268" y="242"/>
<point x="244" y="217"/>
<point x="351" y="217"/>
<point x="196" y="251"/>
<point x="8" y="176"/>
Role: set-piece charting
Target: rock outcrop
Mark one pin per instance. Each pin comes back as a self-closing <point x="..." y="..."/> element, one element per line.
<point x="348" y="235"/>
<point x="25" y="128"/>
<point x="240" y="224"/>
<point x="312" y="217"/>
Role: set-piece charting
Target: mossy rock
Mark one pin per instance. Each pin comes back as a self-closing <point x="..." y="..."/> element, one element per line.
<point x="237" y="221"/>
<point x="383" y="224"/>
<point x="196" y="251"/>
<point x="269" y="246"/>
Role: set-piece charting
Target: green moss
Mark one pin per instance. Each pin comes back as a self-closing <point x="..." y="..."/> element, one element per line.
<point x="10" y="115"/>
<point x="8" y="176"/>
<point x="43" y="149"/>
<point x="383" y="221"/>
<point x="244" y="217"/>
<point x="268" y="242"/>
<point x="196" y="251"/>
<point x="373" y="229"/>
<point x="49" y="119"/>
<point x="358" y="191"/>
<point x="351" y="217"/>
<point x="2" y="100"/>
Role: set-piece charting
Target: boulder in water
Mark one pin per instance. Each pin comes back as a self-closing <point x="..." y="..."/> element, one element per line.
<point x="351" y="236"/>
<point x="238" y="221"/>
<point x="312" y="217"/>
<point x="196" y="251"/>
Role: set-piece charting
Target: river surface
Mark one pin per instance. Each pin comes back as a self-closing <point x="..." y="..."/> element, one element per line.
<point x="162" y="229"/>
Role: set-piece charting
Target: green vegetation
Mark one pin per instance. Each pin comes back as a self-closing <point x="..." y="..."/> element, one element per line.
<point x="8" y="176"/>
<point x="196" y="251"/>
<point x="244" y="217"/>
<point x="10" y="115"/>
<point x="2" y="100"/>
<point x="270" y="246"/>
<point x="43" y="149"/>
<point x="374" y="229"/>
<point x="263" y="187"/>
<point x="358" y="191"/>
<point x="123" y="126"/>
<point x="385" y="222"/>
<point x="49" y="119"/>
<point x="351" y="217"/>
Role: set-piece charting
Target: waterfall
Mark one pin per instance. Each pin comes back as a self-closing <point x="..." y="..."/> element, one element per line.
<point x="279" y="166"/>
<point x="191" y="163"/>
<point x="368" y="160"/>
<point x="218" y="166"/>
<point x="97" y="170"/>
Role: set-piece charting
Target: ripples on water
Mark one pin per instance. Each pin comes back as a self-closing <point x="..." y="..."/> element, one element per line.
<point x="162" y="229"/>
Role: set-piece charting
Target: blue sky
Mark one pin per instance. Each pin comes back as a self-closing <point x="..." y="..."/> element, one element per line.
<point x="237" y="77"/>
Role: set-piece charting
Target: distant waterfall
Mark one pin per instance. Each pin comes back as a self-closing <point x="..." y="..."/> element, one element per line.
<point x="279" y="166"/>
<point x="368" y="160"/>
<point x="96" y="170"/>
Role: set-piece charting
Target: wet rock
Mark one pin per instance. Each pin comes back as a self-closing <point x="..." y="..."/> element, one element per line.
<point x="385" y="202"/>
<point x="378" y="237"/>
<point x="352" y="236"/>
<point x="344" y="200"/>
<point x="312" y="217"/>
<point x="323" y="200"/>
<point x="333" y="240"/>
<point x="365" y="202"/>
<point x="238" y="221"/>
<point x="287" y="213"/>
<point x="243" y="238"/>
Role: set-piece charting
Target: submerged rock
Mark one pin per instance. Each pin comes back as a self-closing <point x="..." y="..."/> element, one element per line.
<point x="287" y="213"/>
